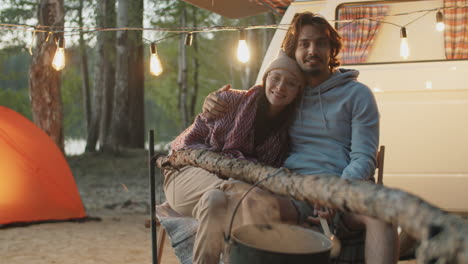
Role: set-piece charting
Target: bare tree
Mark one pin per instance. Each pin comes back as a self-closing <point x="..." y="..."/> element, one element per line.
<point x="84" y="70"/>
<point x="44" y="81"/>
<point x="136" y="76"/>
<point x="107" y="53"/>
<point x="182" y="79"/>
<point x="119" y="130"/>
<point x="270" y="19"/>
<point x="258" y="42"/>
<point x="195" y="66"/>
<point x="256" y="55"/>
<point x="104" y="77"/>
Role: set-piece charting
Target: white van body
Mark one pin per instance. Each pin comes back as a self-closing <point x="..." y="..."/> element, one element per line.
<point x="423" y="106"/>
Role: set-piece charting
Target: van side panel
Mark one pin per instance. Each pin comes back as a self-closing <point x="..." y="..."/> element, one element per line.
<point x="424" y="113"/>
<point x="424" y="125"/>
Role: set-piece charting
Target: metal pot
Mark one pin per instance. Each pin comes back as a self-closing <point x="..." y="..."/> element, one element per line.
<point x="278" y="243"/>
<point x="275" y="243"/>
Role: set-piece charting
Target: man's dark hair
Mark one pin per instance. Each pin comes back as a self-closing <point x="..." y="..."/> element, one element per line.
<point x="307" y="18"/>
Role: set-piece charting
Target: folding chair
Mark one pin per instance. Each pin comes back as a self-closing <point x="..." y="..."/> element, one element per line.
<point x="181" y="229"/>
<point x="407" y="243"/>
<point x="380" y="164"/>
<point x="164" y="211"/>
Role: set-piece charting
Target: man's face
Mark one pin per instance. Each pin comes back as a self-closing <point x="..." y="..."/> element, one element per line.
<point x="313" y="51"/>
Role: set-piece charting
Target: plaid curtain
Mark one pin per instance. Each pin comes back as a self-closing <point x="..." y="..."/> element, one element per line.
<point x="456" y="29"/>
<point x="279" y="6"/>
<point x="358" y="36"/>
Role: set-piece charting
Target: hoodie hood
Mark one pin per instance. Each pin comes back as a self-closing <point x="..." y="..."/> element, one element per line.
<point x="338" y="78"/>
<point x="336" y="131"/>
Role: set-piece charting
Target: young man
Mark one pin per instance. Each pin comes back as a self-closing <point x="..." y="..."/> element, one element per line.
<point x="336" y="130"/>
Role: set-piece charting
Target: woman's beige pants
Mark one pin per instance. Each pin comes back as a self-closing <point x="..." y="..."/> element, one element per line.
<point x="197" y="193"/>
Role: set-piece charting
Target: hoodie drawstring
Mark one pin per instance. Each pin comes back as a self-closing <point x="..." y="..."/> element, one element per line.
<point x="301" y="109"/>
<point x="321" y="108"/>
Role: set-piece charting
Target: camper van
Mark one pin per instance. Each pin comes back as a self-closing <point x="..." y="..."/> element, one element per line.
<point x="422" y="97"/>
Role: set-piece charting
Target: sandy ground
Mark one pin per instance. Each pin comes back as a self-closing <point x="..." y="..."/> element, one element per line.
<point x="114" y="188"/>
<point x="113" y="240"/>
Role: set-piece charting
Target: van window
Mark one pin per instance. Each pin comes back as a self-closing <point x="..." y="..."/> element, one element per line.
<point x="377" y="38"/>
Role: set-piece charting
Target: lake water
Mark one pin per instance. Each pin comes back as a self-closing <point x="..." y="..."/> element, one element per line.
<point x="76" y="146"/>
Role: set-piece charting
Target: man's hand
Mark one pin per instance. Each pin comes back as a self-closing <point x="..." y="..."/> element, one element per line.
<point x="323" y="212"/>
<point x="214" y="107"/>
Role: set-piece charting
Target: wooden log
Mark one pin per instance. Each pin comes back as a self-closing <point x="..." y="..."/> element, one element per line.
<point x="443" y="236"/>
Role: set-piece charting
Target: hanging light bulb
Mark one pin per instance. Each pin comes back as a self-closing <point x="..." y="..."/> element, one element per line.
<point x="59" y="58"/>
<point x="404" y="48"/>
<point x="188" y="39"/>
<point x="155" y="64"/>
<point x="440" y="26"/>
<point x="243" y="54"/>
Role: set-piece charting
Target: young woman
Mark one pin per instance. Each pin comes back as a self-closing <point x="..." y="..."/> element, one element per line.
<point x="255" y="128"/>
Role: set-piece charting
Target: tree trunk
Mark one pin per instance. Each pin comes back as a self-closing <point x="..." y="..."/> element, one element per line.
<point x="245" y="68"/>
<point x="195" y="65"/>
<point x="108" y="51"/>
<point x="104" y="78"/>
<point x="84" y="71"/>
<point x="44" y="81"/>
<point x="119" y="132"/>
<point x="443" y="236"/>
<point x="268" y="34"/>
<point x="182" y="71"/>
<point x="251" y="68"/>
<point x="136" y="76"/>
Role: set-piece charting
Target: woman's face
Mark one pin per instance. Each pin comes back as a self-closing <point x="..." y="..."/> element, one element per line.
<point x="281" y="87"/>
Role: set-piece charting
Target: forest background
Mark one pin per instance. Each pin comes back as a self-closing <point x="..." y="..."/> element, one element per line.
<point x="106" y="94"/>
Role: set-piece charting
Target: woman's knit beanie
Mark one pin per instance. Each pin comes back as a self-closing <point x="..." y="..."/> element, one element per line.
<point x="283" y="61"/>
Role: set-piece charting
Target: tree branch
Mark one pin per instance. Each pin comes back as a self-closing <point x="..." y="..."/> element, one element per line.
<point x="444" y="236"/>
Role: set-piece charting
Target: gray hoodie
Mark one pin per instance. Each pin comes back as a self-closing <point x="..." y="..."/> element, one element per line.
<point x="336" y="130"/>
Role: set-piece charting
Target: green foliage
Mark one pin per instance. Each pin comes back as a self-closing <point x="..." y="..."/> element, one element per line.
<point x="217" y="64"/>
<point x="17" y="100"/>
<point x="155" y="118"/>
<point x="14" y="69"/>
<point x="16" y="12"/>
<point x="14" y="92"/>
<point x="72" y="99"/>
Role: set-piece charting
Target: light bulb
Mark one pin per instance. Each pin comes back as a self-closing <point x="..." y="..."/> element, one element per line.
<point x="155" y="64"/>
<point x="440" y="26"/>
<point x="59" y="58"/>
<point x="243" y="54"/>
<point x="404" y="48"/>
<point x="188" y="39"/>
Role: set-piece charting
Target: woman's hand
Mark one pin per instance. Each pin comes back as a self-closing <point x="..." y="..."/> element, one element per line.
<point x="321" y="212"/>
<point x="213" y="106"/>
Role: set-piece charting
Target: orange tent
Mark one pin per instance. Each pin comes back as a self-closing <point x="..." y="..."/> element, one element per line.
<point x="36" y="184"/>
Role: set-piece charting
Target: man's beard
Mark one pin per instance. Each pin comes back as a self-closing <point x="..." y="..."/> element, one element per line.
<point x="313" y="72"/>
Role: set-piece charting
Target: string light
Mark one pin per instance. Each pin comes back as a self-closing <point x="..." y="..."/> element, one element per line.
<point x="404" y="48"/>
<point x="59" y="58"/>
<point x="72" y="30"/>
<point x="188" y="39"/>
<point x="440" y="26"/>
<point x="243" y="53"/>
<point x="155" y="64"/>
